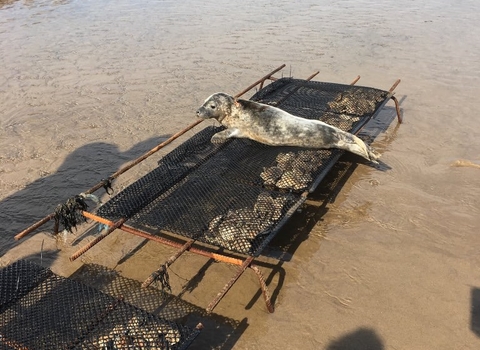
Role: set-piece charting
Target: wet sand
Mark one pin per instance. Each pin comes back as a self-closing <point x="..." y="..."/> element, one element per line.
<point x="390" y="262"/>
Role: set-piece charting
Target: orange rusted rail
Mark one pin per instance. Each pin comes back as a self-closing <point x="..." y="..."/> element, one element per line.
<point x="168" y="242"/>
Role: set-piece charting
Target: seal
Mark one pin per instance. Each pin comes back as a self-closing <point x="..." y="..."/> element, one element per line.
<point x="275" y="127"/>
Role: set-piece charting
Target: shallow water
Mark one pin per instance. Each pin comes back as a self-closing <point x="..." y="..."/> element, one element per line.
<point x="391" y="262"/>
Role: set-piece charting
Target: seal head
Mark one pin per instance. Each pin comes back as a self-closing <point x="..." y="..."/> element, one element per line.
<point x="217" y="106"/>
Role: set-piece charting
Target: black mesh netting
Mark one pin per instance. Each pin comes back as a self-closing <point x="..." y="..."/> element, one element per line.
<point x="238" y="194"/>
<point x="40" y="310"/>
<point x="218" y="331"/>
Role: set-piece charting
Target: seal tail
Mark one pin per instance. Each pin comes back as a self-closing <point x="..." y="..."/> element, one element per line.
<point x="355" y="145"/>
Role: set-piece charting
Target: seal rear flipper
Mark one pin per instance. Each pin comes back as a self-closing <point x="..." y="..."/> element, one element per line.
<point x="365" y="151"/>
<point x="373" y="154"/>
<point x="354" y="144"/>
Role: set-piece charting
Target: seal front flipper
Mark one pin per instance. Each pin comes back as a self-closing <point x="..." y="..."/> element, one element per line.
<point x="221" y="136"/>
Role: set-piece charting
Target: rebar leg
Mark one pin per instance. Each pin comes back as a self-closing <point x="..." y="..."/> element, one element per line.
<point x="229" y="285"/>
<point x="241" y="270"/>
<point x="263" y="286"/>
<point x="397" y="107"/>
<point x="154" y="275"/>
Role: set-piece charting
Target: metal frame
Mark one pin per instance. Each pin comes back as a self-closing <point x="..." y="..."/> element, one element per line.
<point x="243" y="263"/>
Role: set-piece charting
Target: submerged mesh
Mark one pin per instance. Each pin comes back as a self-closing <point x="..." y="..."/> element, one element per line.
<point x="218" y="329"/>
<point x="46" y="311"/>
<point x="236" y="195"/>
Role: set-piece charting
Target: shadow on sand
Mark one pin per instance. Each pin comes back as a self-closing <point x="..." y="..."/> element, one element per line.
<point x="475" y="311"/>
<point x="361" y="339"/>
<point x="83" y="168"/>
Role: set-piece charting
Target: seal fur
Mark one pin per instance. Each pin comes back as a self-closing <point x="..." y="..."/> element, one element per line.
<point x="273" y="126"/>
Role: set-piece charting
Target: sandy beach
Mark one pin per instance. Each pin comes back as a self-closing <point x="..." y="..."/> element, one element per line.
<point x="390" y="261"/>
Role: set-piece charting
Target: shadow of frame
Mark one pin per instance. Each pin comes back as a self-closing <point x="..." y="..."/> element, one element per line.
<point x="475" y="311"/>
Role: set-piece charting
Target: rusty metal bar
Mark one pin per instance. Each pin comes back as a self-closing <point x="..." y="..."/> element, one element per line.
<point x="56" y="227"/>
<point x="146" y="155"/>
<point x="263" y="82"/>
<point x="355" y="80"/>
<point x="229" y="285"/>
<point x="167" y="263"/>
<point x="85" y="248"/>
<point x="34" y="226"/>
<point x="259" y="81"/>
<point x="139" y="233"/>
<point x="263" y="286"/>
<point x="313" y="75"/>
<point x="397" y="108"/>
<point x="394" y="85"/>
<point x="214" y="256"/>
<point x="97" y="218"/>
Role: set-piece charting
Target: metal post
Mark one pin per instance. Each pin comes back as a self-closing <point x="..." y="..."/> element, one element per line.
<point x="355" y="80"/>
<point x="229" y="284"/>
<point x="394" y="85"/>
<point x="169" y="262"/>
<point x="263" y="286"/>
<point x="143" y="234"/>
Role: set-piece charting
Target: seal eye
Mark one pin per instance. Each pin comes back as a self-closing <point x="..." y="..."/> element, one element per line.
<point x="212" y="106"/>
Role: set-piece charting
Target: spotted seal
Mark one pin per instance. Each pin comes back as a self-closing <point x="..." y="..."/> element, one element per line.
<point x="272" y="126"/>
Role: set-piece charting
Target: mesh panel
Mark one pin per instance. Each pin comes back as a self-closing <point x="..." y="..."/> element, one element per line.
<point x="217" y="332"/>
<point x="172" y="168"/>
<point x="226" y="213"/>
<point x="311" y="99"/>
<point x="236" y="195"/>
<point x="56" y="312"/>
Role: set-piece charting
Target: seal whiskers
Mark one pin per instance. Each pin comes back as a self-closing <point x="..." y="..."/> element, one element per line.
<point x="273" y="126"/>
